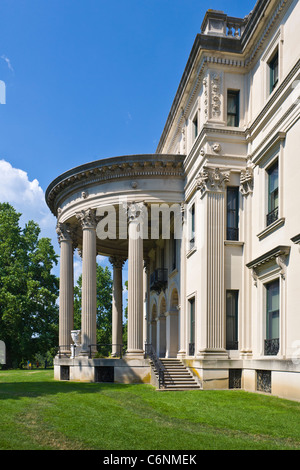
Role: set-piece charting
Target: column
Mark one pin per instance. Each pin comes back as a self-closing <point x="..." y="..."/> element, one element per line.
<point x="246" y="189"/>
<point x="89" y="281"/>
<point x="212" y="184"/>
<point x="182" y="340"/>
<point x="66" y="299"/>
<point x="117" y="323"/>
<point x="135" y="347"/>
<point x="146" y="333"/>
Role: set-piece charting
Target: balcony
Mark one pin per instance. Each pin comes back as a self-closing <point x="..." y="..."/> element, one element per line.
<point x="272" y="216"/>
<point x="216" y="23"/>
<point x="159" y="280"/>
<point x="271" y="347"/>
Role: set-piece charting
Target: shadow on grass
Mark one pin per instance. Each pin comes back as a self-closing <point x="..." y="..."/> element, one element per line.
<point x="37" y="388"/>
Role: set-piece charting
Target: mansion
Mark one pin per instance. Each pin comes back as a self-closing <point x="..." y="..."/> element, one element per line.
<point x="209" y="224"/>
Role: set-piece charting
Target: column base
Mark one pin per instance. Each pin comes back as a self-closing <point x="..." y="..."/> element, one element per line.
<point x="212" y="354"/>
<point x="135" y="354"/>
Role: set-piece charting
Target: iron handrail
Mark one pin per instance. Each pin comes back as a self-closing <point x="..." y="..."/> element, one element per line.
<point x="160" y="368"/>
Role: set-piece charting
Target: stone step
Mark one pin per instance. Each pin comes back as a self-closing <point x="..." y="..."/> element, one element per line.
<point x="177" y="376"/>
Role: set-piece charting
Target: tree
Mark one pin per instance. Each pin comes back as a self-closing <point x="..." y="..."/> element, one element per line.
<point x="28" y="289"/>
<point x="104" y="306"/>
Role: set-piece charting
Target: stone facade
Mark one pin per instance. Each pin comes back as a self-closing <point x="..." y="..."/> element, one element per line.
<point x="220" y="290"/>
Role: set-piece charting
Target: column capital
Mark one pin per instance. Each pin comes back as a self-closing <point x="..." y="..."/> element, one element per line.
<point x="87" y="218"/>
<point x="137" y="211"/>
<point x="65" y="232"/>
<point x="117" y="261"/>
<point x="212" y="179"/>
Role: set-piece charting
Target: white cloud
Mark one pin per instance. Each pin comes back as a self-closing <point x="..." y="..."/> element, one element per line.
<point x="28" y="198"/>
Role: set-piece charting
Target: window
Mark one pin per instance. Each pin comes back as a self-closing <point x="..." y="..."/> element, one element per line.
<point x="233" y="105"/>
<point x="272" y="215"/>
<point x="192" y="227"/>
<point x="192" y="327"/>
<point x="272" y="318"/>
<point x="195" y="126"/>
<point x="232" y="213"/>
<point x="232" y="319"/>
<point x="273" y="68"/>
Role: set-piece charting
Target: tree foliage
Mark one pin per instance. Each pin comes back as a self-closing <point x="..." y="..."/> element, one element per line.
<point x="104" y="305"/>
<point x="28" y="289"/>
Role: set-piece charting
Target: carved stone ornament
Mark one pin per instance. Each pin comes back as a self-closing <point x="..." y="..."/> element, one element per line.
<point x="64" y="232"/>
<point x="246" y="181"/>
<point x="212" y="179"/>
<point x="87" y="218"/>
<point x="136" y="210"/>
<point x="216" y="148"/>
<point x="278" y="255"/>
<point x="216" y="95"/>
<point x="117" y="261"/>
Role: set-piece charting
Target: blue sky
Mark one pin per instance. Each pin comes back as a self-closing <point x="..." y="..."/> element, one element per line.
<point x="87" y="79"/>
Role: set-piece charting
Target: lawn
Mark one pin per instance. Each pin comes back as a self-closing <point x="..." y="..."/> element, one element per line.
<point x="38" y="413"/>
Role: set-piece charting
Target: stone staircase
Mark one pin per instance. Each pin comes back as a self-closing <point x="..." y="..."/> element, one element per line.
<point x="177" y="376"/>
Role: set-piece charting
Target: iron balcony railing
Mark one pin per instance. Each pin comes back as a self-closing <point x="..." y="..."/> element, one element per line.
<point x="232" y="234"/>
<point x="232" y="345"/>
<point x="104" y="349"/>
<point x="64" y="350"/>
<point x="272" y="216"/>
<point x="271" y="347"/>
<point x="159" y="279"/>
<point x="158" y="365"/>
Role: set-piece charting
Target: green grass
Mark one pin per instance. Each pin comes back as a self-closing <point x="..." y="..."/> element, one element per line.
<point x="38" y="413"/>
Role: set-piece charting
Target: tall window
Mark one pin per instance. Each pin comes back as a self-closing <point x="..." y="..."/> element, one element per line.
<point x="272" y="194"/>
<point x="195" y="126"/>
<point x="232" y="213"/>
<point x="272" y="318"/>
<point x="232" y="319"/>
<point x="192" y="327"/>
<point x="233" y="108"/>
<point x="192" y="226"/>
<point x="273" y="68"/>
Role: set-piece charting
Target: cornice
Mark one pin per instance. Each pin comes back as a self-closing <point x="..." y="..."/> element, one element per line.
<point x="101" y="171"/>
<point x="209" y="45"/>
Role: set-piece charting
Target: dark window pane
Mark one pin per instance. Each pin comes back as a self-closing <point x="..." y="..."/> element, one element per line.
<point x="273" y="308"/>
<point x="232" y="214"/>
<point x="273" y="194"/>
<point x="233" y="98"/>
<point x="232" y="319"/>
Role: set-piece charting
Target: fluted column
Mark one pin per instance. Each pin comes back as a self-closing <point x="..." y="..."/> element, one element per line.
<point x="212" y="185"/>
<point x="89" y="280"/>
<point x="135" y="345"/>
<point x="246" y="189"/>
<point x="117" y="324"/>
<point x="66" y="301"/>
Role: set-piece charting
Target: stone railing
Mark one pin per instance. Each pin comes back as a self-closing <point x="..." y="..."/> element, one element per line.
<point x="216" y="23"/>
